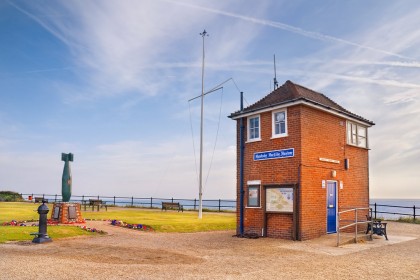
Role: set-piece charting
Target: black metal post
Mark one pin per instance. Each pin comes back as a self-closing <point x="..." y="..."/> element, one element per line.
<point x="132" y="201"/>
<point x="55" y="198"/>
<point x="414" y="212"/>
<point x="114" y="200"/>
<point x="42" y="232"/>
<point x="241" y="169"/>
<point x="219" y="205"/>
<point x="195" y="204"/>
<point x="151" y="202"/>
<point x="375" y="210"/>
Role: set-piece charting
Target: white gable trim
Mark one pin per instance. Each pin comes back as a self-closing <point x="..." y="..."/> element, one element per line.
<point x="306" y="103"/>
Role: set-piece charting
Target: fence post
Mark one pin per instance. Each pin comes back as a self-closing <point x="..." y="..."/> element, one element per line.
<point x="172" y="200"/>
<point x="195" y="204"/>
<point x="219" y="204"/>
<point x="375" y="210"/>
<point x="114" y="200"/>
<point x="132" y="201"/>
<point x="98" y="197"/>
<point x="151" y="202"/>
<point x="55" y="198"/>
<point x="414" y="212"/>
<point x="43" y="196"/>
<point x="83" y="200"/>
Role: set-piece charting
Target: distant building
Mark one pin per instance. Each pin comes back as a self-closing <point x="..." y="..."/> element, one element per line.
<point x="304" y="158"/>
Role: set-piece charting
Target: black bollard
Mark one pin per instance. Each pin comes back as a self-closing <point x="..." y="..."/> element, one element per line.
<point x="42" y="233"/>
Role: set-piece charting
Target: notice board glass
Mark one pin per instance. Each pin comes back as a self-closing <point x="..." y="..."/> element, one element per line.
<point x="279" y="199"/>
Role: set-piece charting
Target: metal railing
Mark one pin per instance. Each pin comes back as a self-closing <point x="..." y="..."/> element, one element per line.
<point x="354" y="222"/>
<point x="218" y="205"/>
<point x="211" y="204"/>
<point x="379" y="209"/>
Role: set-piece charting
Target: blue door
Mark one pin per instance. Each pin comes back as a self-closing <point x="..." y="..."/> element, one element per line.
<point x="331" y="207"/>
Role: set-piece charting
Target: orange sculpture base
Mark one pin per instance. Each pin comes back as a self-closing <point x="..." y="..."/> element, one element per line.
<point x="66" y="213"/>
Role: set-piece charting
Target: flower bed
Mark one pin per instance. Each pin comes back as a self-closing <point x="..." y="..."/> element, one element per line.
<point x="50" y="223"/>
<point x="19" y="223"/>
<point x="131" y="226"/>
<point x="92" y="230"/>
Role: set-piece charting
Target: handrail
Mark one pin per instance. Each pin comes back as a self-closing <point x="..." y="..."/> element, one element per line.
<point x="355" y="223"/>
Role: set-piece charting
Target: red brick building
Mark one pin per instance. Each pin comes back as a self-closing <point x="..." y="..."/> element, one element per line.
<point x="304" y="158"/>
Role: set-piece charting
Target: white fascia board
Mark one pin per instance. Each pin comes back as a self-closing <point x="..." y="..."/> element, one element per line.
<point x="306" y="103"/>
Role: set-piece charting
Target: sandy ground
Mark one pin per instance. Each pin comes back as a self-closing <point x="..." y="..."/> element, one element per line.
<point x="130" y="254"/>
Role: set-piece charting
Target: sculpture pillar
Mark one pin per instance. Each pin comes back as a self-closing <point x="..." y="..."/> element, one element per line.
<point x="66" y="180"/>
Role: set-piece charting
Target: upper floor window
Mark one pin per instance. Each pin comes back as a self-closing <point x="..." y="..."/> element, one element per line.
<point x="254" y="128"/>
<point x="279" y="123"/>
<point x="357" y="135"/>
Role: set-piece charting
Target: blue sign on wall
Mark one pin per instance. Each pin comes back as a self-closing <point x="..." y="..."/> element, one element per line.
<point x="286" y="153"/>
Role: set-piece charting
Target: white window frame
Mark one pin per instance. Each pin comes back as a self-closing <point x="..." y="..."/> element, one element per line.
<point x="249" y="128"/>
<point x="273" y="122"/>
<point x="353" y="139"/>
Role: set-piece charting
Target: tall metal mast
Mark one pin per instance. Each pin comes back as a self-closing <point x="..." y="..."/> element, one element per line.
<point x="276" y="84"/>
<point x="200" y="187"/>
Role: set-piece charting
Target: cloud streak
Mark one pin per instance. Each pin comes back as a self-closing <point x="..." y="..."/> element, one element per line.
<point x="290" y="28"/>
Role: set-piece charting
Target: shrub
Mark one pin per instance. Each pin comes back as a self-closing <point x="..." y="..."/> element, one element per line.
<point x="10" y="196"/>
<point x="408" y="220"/>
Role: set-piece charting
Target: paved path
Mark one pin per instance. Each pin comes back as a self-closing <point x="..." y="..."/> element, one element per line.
<point x="130" y="254"/>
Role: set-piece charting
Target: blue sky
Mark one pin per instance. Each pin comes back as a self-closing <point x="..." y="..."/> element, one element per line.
<point x="109" y="81"/>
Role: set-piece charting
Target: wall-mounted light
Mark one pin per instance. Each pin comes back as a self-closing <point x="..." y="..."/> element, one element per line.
<point x="333" y="173"/>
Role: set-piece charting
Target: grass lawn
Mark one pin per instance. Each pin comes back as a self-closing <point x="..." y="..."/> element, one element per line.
<point x="18" y="211"/>
<point x="161" y="221"/>
<point x="17" y="233"/>
<point x="167" y="221"/>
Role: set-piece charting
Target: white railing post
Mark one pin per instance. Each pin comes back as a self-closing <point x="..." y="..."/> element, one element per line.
<point x="338" y="230"/>
<point x="355" y="232"/>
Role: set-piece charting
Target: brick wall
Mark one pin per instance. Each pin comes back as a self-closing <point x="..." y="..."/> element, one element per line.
<point x="277" y="171"/>
<point x="313" y="134"/>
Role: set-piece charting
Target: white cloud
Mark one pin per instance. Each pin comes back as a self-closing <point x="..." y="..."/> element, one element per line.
<point x="145" y="49"/>
<point x="290" y="28"/>
<point x="131" y="46"/>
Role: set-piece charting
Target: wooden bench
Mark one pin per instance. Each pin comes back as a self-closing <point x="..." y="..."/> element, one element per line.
<point x="95" y="202"/>
<point x="39" y="199"/>
<point x="377" y="227"/>
<point x="172" y="205"/>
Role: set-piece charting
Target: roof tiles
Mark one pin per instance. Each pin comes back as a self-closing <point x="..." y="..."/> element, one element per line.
<point x="290" y="92"/>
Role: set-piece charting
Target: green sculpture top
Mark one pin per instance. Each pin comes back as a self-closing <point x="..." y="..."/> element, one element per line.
<point x="67" y="157"/>
<point x="66" y="180"/>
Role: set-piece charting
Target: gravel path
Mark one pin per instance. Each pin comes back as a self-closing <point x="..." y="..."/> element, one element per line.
<point x="130" y="254"/>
